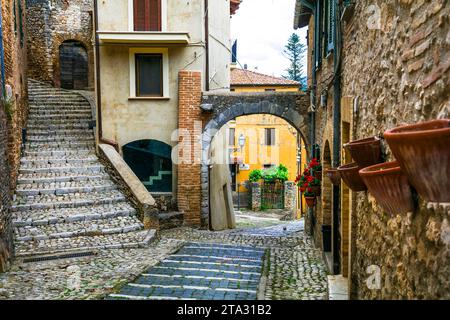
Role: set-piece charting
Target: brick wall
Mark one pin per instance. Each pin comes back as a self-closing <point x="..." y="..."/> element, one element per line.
<point x="49" y="24"/>
<point x="189" y="184"/>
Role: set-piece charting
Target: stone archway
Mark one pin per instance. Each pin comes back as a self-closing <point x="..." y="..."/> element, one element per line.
<point x="289" y="106"/>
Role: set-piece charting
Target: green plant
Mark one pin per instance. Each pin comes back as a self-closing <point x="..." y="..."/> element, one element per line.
<point x="279" y="173"/>
<point x="255" y="175"/>
<point x="8" y="106"/>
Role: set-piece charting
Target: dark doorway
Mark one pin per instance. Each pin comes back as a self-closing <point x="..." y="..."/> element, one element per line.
<point x="73" y="61"/>
<point x="151" y="161"/>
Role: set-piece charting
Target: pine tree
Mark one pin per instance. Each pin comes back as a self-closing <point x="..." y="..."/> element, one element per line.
<point x="294" y="51"/>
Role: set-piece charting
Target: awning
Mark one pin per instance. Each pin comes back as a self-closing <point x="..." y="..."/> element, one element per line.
<point x="139" y="37"/>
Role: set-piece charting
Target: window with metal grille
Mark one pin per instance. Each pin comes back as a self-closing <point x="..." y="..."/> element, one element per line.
<point x="147" y="15"/>
<point x="232" y="137"/>
<point x="270" y="137"/>
<point x="149" y="75"/>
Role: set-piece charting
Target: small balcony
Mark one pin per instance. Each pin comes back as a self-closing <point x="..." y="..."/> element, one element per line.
<point x="143" y="38"/>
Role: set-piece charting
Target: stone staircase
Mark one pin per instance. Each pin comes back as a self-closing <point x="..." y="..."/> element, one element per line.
<point x="64" y="200"/>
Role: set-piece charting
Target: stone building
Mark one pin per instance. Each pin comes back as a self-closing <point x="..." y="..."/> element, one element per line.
<point x="373" y="65"/>
<point x="13" y="111"/>
<point x="60" y="42"/>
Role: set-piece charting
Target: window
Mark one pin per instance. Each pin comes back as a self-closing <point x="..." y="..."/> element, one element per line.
<point x="149" y="79"/>
<point x="232" y="137"/>
<point x="268" y="166"/>
<point x="147" y="15"/>
<point x="330" y="24"/>
<point x="270" y="137"/>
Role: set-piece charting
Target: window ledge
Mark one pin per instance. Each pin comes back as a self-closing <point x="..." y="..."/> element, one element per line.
<point x="149" y="98"/>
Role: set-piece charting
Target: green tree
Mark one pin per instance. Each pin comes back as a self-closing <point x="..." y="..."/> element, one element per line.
<point x="294" y="51"/>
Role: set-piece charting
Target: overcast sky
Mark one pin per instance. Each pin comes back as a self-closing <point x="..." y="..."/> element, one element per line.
<point x="262" y="28"/>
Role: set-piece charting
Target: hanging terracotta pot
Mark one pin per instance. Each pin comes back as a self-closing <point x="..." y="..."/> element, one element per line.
<point x="423" y="151"/>
<point x="316" y="190"/>
<point x="350" y="175"/>
<point x="310" y="201"/>
<point x="389" y="186"/>
<point x="318" y="175"/>
<point x="365" y="152"/>
<point x="334" y="176"/>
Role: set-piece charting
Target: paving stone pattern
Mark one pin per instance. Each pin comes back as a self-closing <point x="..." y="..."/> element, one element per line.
<point x="201" y="271"/>
<point x="65" y="200"/>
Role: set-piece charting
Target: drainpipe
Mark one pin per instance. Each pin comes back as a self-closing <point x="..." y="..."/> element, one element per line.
<point x="98" y="84"/>
<point x="207" y="45"/>
<point x="337" y="134"/>
<point x="2" y="53"/>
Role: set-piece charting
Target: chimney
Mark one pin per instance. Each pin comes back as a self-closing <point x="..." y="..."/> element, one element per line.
<point x="245" y="66"/>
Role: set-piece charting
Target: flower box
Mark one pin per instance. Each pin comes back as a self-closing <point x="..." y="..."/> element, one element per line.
<point x="334" y="176"/>
<point x="389" y="186"/>
<point x="350" y="175"/>
<point x="310" y="201"/>
<point x="423" y="152"/>
<point x="365" y="152"/>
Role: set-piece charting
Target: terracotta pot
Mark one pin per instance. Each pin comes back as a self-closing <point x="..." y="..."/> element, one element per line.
<point x="318" y="175"/>
<point x="365" y="152"/>
<point x="317" y="190"/>
<point x="334" y="176"/>
<point x="390" y="187"/>
<point x="423" y="151"/>
<point x="350" y="175"/>
<point x="310" y="201"/>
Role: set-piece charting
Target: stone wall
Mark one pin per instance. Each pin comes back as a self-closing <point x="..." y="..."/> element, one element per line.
<point x="50" y="23"/>
<point x="395" y="70"/>
<point x="400" y="71"/>
<point x="13" y="113"/>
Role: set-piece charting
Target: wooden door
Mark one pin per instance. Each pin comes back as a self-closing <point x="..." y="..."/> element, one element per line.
<point x="73" y="66"/>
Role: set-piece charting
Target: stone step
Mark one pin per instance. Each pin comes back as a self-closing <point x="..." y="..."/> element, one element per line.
<point x="58" y="122"/>
<point x="44" y="112"/>
<point x="59" y="102"/>
<point x="56" y="109"/>
<point x="94" y="166"/>
<point x="61" y="126"/>
<point x="59" y="132"/>
<point x="83" y="213"/>
<point x="58" y="151"/>
<point x="138" y="239"/>
<point x="73" y="200"/>
<point x="61" y="177"/>
<point x="63" y="138"/>
<point x="58" y="159"/>
<point x="61" y="116"/>
<point x="170" y="220"/>
<point x="45" y="146"/>
<point x="78" y="229"/>
<point x="60" y="188"/>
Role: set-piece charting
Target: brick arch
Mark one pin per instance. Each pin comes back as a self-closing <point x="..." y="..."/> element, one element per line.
<point x="289" y="106"/>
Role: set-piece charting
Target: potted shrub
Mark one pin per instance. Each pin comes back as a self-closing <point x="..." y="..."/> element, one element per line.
<point x="333" y="175"/>
<point x="389" y="186"/>
<point x="365" y="152"/>
<point x="423" y="152"/>
<point x="350" y="175"/>
<point x="310" y="198"/>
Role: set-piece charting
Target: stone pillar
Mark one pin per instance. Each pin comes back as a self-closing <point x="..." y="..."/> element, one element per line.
<point x="290" y="197"/>
<point x="189" y="146"/>
<point x="256" y="196"/>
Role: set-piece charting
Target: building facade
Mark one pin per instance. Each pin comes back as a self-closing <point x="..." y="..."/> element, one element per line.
<point x="374" y="65"/>
<point x="60" y="38"/>
<point x="13" y="112"/>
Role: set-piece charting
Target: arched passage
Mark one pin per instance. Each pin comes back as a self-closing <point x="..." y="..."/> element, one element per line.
<point x="73" y="65"/>
<point x="327" y="196"/>
<point x="151" y="161"/>
<point x="291" y="107"/>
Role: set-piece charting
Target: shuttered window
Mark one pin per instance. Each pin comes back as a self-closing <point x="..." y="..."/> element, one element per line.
<point x="270" y="137"/>
<point x="318" y="29"/>
<point x="147" y="15"/>
<point x="331" y="22"/>
<point x="149" y="75"/>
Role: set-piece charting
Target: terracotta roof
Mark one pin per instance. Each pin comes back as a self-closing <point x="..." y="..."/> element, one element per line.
<point x="234" y="6"/>
<point x="247" y="77"/>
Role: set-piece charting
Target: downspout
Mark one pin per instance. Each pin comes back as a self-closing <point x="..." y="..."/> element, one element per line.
<point x="207" y="45"/>
<point x="2" y="53"/>
<point x="98" y="84"/>
<point x="337" y="132"/>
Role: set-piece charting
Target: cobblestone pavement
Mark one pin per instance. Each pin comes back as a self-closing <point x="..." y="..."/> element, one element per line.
<point x="291" y="268"/>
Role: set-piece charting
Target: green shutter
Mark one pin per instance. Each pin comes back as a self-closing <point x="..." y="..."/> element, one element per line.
<point x="331" y="24"/>
<point x="317" y="34"/>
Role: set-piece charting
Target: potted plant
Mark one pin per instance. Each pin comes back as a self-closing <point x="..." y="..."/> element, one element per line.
<point x="310" y="197"/>
<point x="350" y="175"/>
<point x="333" y="175"/>
<point x="315" y="186"/>
<point x="316" y="167"/>
<point x="365" y="152"/>
<point x="389" y="186"/>
<point x="423" y="152"/>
